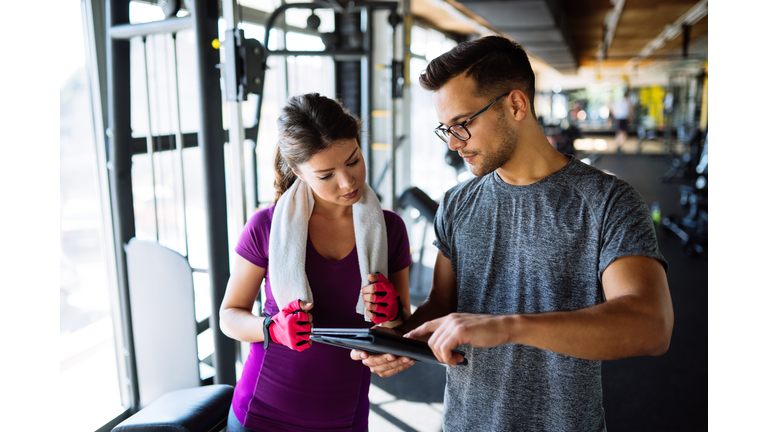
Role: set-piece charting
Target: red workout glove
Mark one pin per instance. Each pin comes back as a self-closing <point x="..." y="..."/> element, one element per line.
<point x="290" y="327"/>
<point x="388" y="304"/>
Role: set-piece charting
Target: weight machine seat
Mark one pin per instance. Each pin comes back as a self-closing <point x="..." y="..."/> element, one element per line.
<point x="419" y="200"/>
<point x="198" y="409"/>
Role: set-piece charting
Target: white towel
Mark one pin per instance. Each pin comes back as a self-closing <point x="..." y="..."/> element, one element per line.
<point x="288" y="243"/>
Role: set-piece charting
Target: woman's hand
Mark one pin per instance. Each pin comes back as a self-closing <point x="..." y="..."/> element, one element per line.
<point x="382" y="302"/>
<point x="292" y="325"/>
<point x="384" y="365"/>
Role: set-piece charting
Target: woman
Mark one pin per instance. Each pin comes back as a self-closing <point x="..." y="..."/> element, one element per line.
<point x="287" y="383"/>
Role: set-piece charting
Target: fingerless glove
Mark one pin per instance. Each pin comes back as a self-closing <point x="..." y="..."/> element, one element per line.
<point x="290" y="327"/>
<point x="387" y="301"/>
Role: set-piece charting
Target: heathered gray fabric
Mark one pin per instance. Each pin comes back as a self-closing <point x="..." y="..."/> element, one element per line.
<point x="531" y="249"/>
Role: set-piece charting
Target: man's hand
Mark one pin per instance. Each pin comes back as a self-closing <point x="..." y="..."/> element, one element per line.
<point x="456" y="329"/>
<point x="384" y="365"/>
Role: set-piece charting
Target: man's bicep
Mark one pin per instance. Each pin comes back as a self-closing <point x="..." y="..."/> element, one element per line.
<point x="637" y="286"/>
<point x="639" y="276"/>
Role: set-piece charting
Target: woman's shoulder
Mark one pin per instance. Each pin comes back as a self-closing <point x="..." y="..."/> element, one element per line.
<point x="390" y="216"/>
<point x="393" y="221"/>
<point x="262" y="218"/>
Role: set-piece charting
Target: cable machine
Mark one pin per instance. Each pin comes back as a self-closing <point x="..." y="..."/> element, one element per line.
<point x="122" y="146"/>
<point x="351" y="47"/>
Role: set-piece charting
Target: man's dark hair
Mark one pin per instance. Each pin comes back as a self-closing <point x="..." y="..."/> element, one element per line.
<point x="494" y="63"/>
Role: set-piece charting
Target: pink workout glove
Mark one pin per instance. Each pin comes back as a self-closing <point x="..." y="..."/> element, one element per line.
<point x="387" y="301"/>
<point x="290" y="327"/>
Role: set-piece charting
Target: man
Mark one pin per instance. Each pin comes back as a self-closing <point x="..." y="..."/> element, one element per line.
<point x="622" y="112"/>
<point x="546" y="266"/>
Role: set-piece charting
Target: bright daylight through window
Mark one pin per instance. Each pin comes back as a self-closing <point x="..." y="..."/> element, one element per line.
<point x="89" y="391"/>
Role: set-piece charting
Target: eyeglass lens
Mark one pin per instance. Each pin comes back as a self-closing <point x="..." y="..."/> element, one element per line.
<point x="458" y="130"/>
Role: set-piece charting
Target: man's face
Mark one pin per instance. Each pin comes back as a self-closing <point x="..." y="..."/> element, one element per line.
<point x="493" y="138"/>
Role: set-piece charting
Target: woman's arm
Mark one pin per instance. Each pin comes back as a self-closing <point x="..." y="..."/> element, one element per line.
<point x="236" y="317"/>
<point x="400" y="281"/>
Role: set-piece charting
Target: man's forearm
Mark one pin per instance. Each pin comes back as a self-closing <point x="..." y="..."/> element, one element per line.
<point x="612" y="330"/>
<point x="427" y="311"/>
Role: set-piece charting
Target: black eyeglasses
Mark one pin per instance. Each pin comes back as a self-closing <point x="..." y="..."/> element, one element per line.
<point x="459" y="130"/>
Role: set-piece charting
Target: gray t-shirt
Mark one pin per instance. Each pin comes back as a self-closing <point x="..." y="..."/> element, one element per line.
<point x="531" y="249"/>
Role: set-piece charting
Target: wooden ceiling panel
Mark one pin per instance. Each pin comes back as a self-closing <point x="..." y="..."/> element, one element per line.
<point x="675" y="46"/>
<point x="585" y="19"/>
<point x="641" y="22"/>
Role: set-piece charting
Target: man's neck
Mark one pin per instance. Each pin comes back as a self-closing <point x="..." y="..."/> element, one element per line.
<point x="533" y="160"/>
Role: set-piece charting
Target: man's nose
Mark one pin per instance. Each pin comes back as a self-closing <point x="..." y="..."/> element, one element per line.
<point x="455" y="144"/>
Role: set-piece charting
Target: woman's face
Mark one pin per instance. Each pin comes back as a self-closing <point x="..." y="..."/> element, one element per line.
<point x="336" y="175"/>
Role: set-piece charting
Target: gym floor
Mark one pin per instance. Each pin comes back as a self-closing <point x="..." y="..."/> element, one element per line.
<point x="665" y="393"/>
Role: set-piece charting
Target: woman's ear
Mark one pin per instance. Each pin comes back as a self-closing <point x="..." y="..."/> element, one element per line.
<point x="297" y="174"/>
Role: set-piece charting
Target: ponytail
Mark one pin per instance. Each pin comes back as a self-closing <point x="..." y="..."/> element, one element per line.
<point x="284" y="176"/>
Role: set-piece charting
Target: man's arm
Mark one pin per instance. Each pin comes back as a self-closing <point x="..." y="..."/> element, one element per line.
<point x="636" y="319"/>
<point x="442" y="300"/>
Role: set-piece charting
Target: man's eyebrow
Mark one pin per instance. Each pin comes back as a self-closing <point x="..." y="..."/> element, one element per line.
<point x="347" y="161"/>
<point x="456" y="118"/>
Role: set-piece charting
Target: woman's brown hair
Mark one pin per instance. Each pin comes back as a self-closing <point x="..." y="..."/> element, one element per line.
<point x="309" y="124"/>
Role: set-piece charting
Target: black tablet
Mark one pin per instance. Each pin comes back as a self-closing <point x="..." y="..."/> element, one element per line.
<point x="376" y="342"/>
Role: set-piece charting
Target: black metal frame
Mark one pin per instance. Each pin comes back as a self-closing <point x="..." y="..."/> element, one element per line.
<point x="119" y="164"/>
<point x="122" y="146"/>
<point x="211" y="140"/>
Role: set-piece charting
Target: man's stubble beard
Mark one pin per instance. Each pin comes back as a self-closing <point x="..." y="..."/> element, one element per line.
<point x="494" y="160"/>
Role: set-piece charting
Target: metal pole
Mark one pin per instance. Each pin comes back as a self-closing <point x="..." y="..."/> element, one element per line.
<point x="171" y="25"/>
<point x="393" y="118"/>
<point x="119" y="139"/>
<point x="366" y="89"/>
<point x="405" y="108"/>
<point x="94" y="17"/>
<point x="236" y="133"/>
<point x="151" y="140"/>
<point x="180" y="147"/>
<point x="205" y="15"/>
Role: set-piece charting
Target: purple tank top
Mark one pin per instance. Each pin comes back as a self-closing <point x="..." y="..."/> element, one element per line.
<point x="320" y="388"/>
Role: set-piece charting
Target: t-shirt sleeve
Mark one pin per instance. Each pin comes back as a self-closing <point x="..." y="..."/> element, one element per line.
<point x="442" y="236"/>
<point x="398" y="246"/>
<point x="253" y="244"/>
<point x="628" y="228"/>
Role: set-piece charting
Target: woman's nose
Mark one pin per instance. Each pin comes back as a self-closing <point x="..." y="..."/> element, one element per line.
<point x="346" y="180"/>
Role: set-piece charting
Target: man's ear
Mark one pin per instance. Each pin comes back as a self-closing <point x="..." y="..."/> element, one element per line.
<point x="520" y="104"/>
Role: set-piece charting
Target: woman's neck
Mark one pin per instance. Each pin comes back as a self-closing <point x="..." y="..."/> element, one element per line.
<point x="330" y="210"/>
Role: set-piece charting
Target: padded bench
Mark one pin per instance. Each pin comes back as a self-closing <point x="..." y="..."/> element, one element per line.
<point x="198" y="409"/>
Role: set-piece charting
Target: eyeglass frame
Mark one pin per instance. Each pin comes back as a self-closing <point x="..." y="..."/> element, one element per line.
<point x="463" y="124"/>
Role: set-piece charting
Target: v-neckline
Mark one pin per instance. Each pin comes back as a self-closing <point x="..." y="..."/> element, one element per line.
<point x="335" y="263"/>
